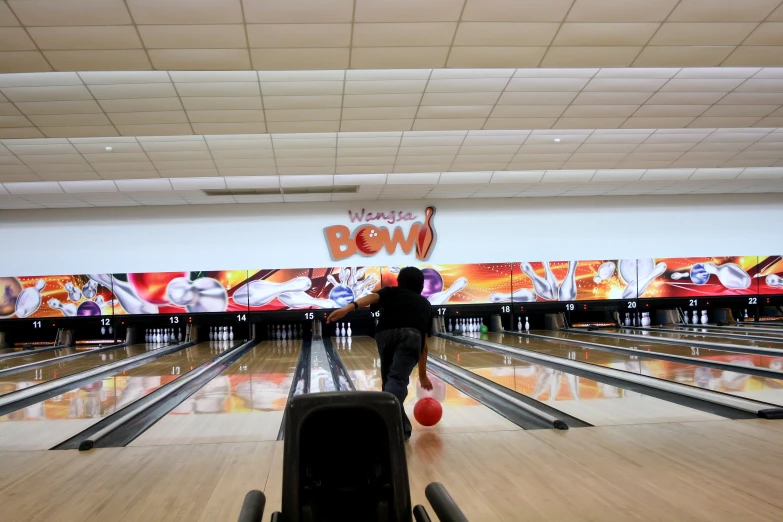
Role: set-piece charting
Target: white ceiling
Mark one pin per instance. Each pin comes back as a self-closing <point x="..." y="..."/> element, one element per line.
<point x="152" y="103"/>
<point x="68" y="35"/>
<point x="403" y="98"/>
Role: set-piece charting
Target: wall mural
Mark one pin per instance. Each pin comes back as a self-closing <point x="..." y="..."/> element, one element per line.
<point x="86" y="295"/>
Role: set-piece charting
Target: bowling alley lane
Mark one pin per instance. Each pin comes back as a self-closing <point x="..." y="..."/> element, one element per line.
<point x="707" y="336"/>
<point x="27" y="378"/>
<point x="244" y="403"/>
<point x="34" y="357"/>
<point x="58" y="418"/>
<point x="591" y="401"/>
<point x="696" y="352"/>
<point x="461" y="414"/>
<point x="731" y="382"/>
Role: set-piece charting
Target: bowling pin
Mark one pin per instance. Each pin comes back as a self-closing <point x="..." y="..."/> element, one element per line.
<point x="519" y="324"/>
<point x="704" y="318"/>
<point x="605" y="271"/>
<point x="67" y="309"/>
<point x="290" y="333"/>
<point x="540" y="285"/>
<point x="147" y="335"/>
<point x="450" y="325"/>
<point x="637" y="288"/>
<point x="685" y="317"/>
<point x="165" y="336"/>
<point x="730" y="275"/>
<point x="746" y="313"/>
<point x="90" y="290"/>
<point x="179" y="335"/>
<point x="205" y="294"/>
<point x="425" y="240"/>
<point x="260" y="292"/>
<point x="125" y="293"/>
<point x="774" y="280"/>
<point x="337" y="330"/>
<point x="527" y="325"/>
<point x="523" y="295"/>
<point x="695" y="317"/>
<point x="29" y="300"/>
<point x="211" y="333"/>
<point x="554" y="284"/>
<point x="74" y="294"/>
<point x="343" y="331"/>
<point x="350" y="332"/>
<point x="680" y="275"/>
<point x="568" y="287"/>
<point x="439" y="298"/>
<point x="231" y="334"/>
<point x="627" y="319"/>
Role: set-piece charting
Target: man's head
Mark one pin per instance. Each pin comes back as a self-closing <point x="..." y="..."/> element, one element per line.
<point x="411" y="278"/>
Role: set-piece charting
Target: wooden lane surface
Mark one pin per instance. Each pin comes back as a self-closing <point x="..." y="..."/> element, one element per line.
<point x="583" y="398"/>
<point x="244" y="403"/>
<point x="731" y="382"/>
<point x="460" y="412"/>
<point x="710" y="471"/>
<point x="41" y="426"/>
<point x="33" y="357"/>
<point x="10" y="383"/>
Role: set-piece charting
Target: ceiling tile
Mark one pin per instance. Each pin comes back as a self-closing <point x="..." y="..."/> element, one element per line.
<point x="560" y="176"/>
<point x="620" y="10"/>
<point x="485" y="56"/>
<point x="408" y="11"/>
<point x="505" y="33"/>
<point x="198" y="183"/>
<point x="141" y="105"/>
<point x="312" y="58"/>
<point x="223" y="102"/>
<point x="101" y="60"/>
<point x="401" y="34"/>
<point x="60" y="107"/>
<point x="23" y="61"/>
<point x="143" y="185"/>
<point x="72" y="12"/>
<point x="600" y="34"/>
<point x="193" y="36"/>
<point x="154" y="130"/>
<point x="186" y="11"/>
<point x="683" y="56"/>
<point x="702" y="33"/>
<point x="299" y="35"/>
<point x="133" y="118"/>
<point x="394" y="57"/>
<point x="33" y="188"/>
<point x="516" y="10"/>
<point x="64" y="120"/>
<point x="15" y="39"/>
<point x="585" y="56"/>
<point x="762" y="56"/>
<point x="80" y="38"/>
<point x="199" y="59"/>
<point x="86" y="187"/>
<point x="298" y="11"/>
<point x="712" y="11"/>
<point x="246" y="182"/>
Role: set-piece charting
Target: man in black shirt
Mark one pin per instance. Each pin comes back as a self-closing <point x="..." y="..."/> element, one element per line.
<point x="401" y="334"/>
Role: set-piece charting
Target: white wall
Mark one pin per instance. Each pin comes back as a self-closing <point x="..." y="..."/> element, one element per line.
<point x="209" y="237"/>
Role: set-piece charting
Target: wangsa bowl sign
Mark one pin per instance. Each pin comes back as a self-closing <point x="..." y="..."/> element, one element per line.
<point x="368" y="238"/>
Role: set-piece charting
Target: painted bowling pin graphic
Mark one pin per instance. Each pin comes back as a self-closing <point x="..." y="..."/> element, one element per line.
<point x="540" y="285"/>
<point x="205" y="294"/>
<point x="774" y="280"/>
<point x="67" y="309"/>
<point x="730" y="275"/>
<point x="522" y="295"/>
<point x="304" y="300"/>
<point x="637" y="288"/>
<point x="425" y="241"/>
<point x="125" y="293"/>
<point x="29" y="300"/>
<point x="568" y="287"/>
<point x="439" y="298"/>
<point x="680" y="275"/>
<point x="260" y="292"/>
<point x="74" y="294"/>
<point x="554" y="284"/>
<point x="90" y="290"/>
<point x="605" y="271"/>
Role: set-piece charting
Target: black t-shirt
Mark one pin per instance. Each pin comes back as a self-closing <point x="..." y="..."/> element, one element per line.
<point x="402" y="308"/>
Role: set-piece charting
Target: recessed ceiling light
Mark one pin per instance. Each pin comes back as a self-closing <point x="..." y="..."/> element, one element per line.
<point x="108" y="149"/>
<point x="557" y="140"/>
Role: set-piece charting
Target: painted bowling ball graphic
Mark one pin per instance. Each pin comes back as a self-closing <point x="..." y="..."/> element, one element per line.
<point x="87" y="309"/>
<point x="368" y="240"/>
<point x="433" y="282"/>
<point x="10" y="288"/>
<point x="151" y="286"/>
<point x="699" y="274"/>
<point x="342" y="295"/>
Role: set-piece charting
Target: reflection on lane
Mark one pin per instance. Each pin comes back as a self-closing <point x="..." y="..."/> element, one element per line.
<point x="34" y="357"/>
<point x="65" y="415"/>
<point x="731" y="382"/>
<point x="710" y="337"/>
<point x="27" y="378"/>
<point x="755" y="332"/>
<point x="696" y="352"/>
<point x="244" y="403"/>
<point x="461" y="413"/>
<point x="594" y="402"/>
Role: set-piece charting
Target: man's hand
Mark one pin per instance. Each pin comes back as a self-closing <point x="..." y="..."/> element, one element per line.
<point x="339" y="314"/>
<point x="425" y="382"/>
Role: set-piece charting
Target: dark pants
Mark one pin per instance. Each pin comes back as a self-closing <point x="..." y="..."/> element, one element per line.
<point x="400" y="350"/>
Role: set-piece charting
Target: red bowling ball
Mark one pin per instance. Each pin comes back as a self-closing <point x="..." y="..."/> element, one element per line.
<point x="427" y="411"/>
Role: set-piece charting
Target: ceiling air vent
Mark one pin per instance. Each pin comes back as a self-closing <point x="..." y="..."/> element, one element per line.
<point x="339" y="189"/>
